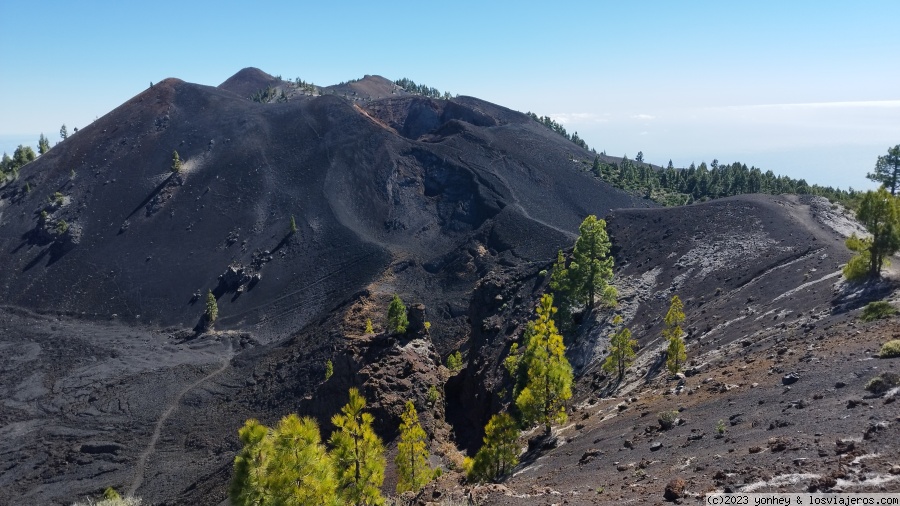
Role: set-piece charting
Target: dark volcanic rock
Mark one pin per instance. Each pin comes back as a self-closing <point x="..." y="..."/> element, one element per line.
<point x="790" y="378"/>
<point x="674" y="489"/>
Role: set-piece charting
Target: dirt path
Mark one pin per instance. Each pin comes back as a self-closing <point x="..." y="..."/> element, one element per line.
<point x="151" y="445"/>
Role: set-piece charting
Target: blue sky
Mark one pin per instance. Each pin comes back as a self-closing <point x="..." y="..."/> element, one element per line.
<point x="805" y="88"/>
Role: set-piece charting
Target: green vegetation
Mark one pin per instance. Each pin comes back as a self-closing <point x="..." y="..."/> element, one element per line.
<point x="285" y="465"/>
<point x="21" y="156"/>
<point x="111" y="500"/>
<point x="455" y="361"/>
<point x="289" y="465"/>
<point x="548" y="383"/>
<point x="587" y="277"/>
<point x="883" y="382"/>
<point x="43" y="145"/>
<point x="369" y="329"/>
<point x="673" y="187"/>
<point x="63" y="133"/>
<point x="61" y="227"/>
<point x="676" y="354"/>
<point x="556" y="127"/>
<point x="413" y="471"/>
<point x="212" y="309"/>
<point x="397" y="319"/>
<point x="879" y="212"/>
<point x="887" y="170"/>
<point x="562" y="287"/>
<point x="499" y="454"/>
<point x="720" y="428"/>
<point x="358" y="454"/>
<point x="264" y="96"/>
<point x="176" y="163"/>
<point x="57" y="199"/>
<point x="293" y="228"/>
<point x="877" y="310"/>
<point x="421" y="89"/>
<point x="305" y="86"/>
<point x="591" y="269"/>
<point x="890" y="349"/>
<point x="667" y="419"/>
<point x="329" y="369"/>
<point x="433" y="396"/>
<point x="621" y="350"/>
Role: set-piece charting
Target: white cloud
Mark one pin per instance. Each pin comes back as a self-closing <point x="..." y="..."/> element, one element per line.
<point x="868" y="104"/>
<point x="644" y="116"/>
<point x="578" y="118"/>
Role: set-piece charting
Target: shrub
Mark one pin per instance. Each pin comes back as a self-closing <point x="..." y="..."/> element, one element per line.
<point x="369" y="328"/>
<point x="176" y="162"/>
<point x="883" y="382"/>
<point x="111" y="498"/>
<point x="433" y="395"/>
<point x="891" y="349"/>
<point x="720" y="428"/>
<point x="293" y="229"/>
<point x="667" y="419"/>
<point x="877" y="310"/>
<point x="61" y="227"/>
<point x="329" y="369"/>
<point x="455" y="361"/>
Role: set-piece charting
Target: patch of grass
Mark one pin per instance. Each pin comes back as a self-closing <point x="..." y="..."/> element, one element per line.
<point x="891" y="349"/>
<point x="877" y="310"/>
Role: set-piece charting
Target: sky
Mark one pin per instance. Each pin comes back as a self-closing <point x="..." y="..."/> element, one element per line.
<point x="810" y="89"/>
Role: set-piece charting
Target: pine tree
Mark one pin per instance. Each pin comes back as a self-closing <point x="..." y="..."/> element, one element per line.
<point x="284" y="466"/>
<point x="369" y="329"/>
<point x="499" y="454"/>
<point x="212" y="309"/>
<point x="592" y="265"/>
<point x="676" y="354"/>
<point x="176" y="162"/>
<point x="621" y="350"/>
<point x="549" y="374"/>
<point x="887" y="170"/>
<point x="300" y="471"/>
<point x="561" y="285"/>
<point x="358" y="454"/>
<point x="23" y="155"/>
<point x="397" y="320"/>
<point x="248" y="486"/>
<point x="879" y="212"/>
<point x="63" y="133"/>
<point x="455" y="361"/>
<point x="412" y="453"/>
<point x="43" y="145"/>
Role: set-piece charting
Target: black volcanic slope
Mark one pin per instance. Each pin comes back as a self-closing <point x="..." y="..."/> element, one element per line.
<point x="369" y="183"/>
<point x="455" y="204"/>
